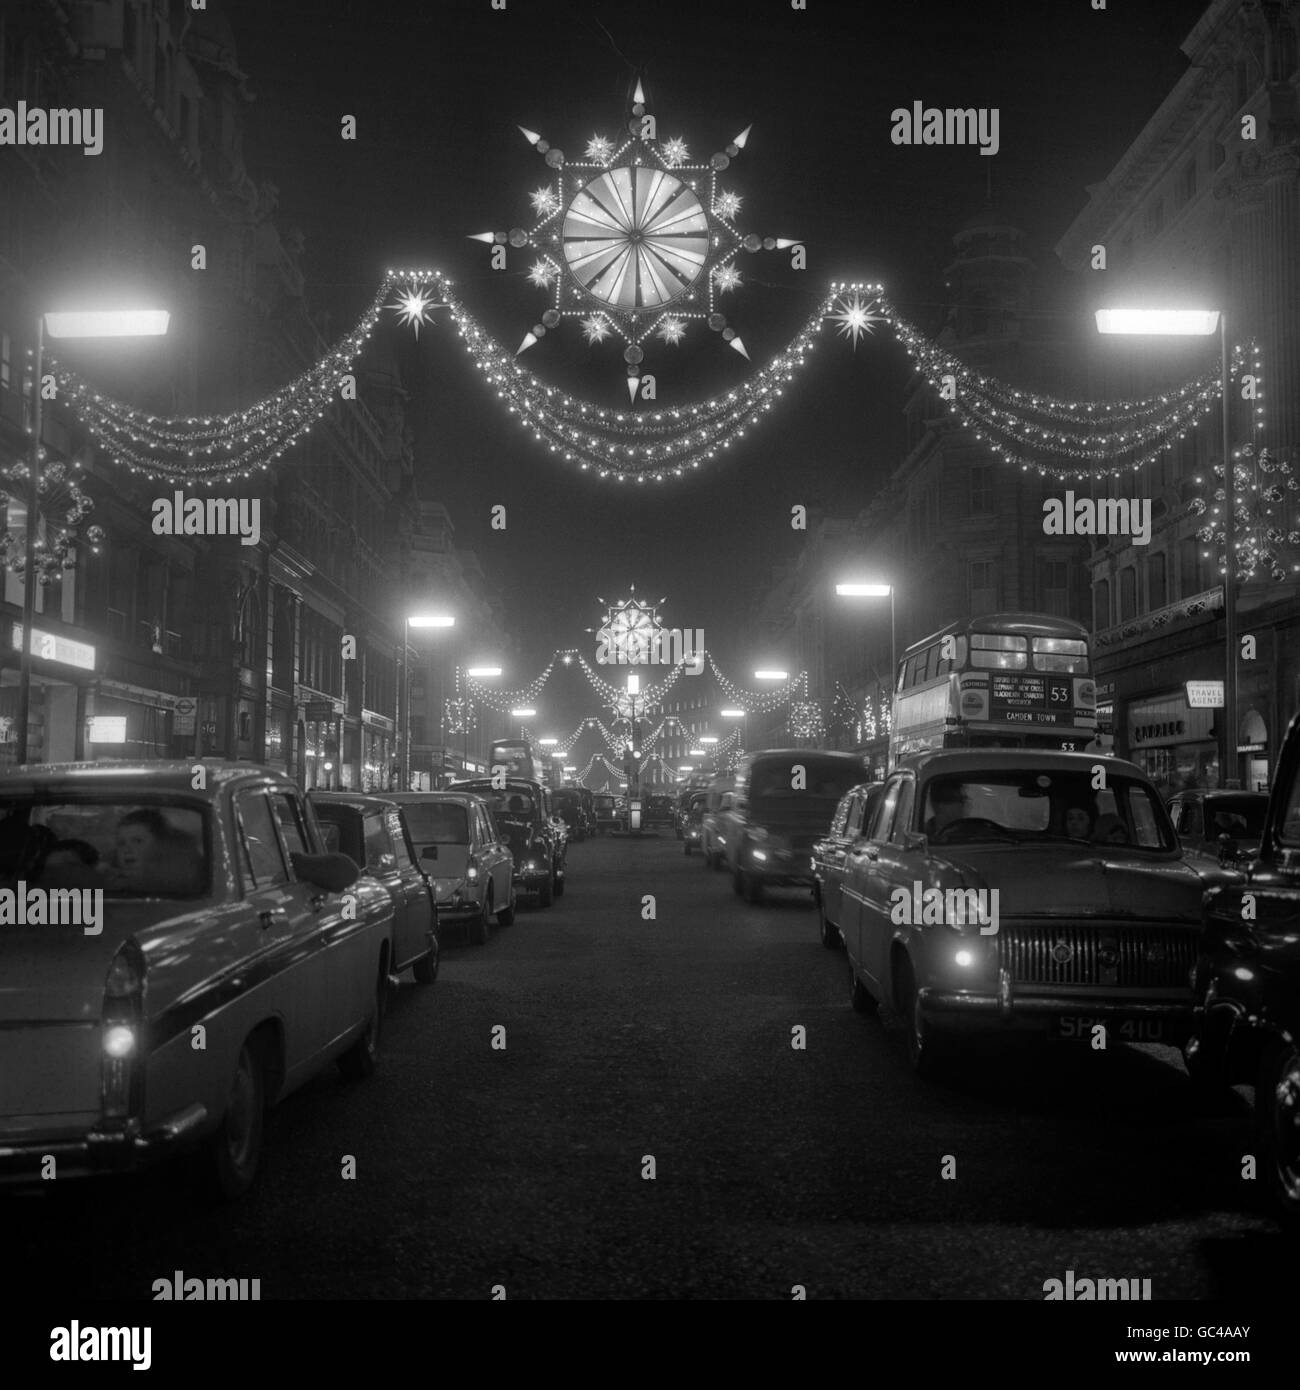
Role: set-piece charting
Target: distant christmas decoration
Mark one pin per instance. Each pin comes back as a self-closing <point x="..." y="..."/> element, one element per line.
<point x="62" y="507"/>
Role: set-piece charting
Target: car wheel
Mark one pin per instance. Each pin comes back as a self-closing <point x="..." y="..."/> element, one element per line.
<point x="925" y="1049"/>
<point x="860" y="997"/>
<point x="478" y="925"/>
<point x="425" y="969"/>
<point x="507" y="914"/>
<point x="361" y="1059"/>
<point x="831" y="937"/>
<point x="230" y="1159"/>
<point x="546" y="893"/>
<point x="1277" y="1117"/>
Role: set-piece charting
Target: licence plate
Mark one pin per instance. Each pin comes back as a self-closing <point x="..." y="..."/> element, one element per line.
<point x="1133" y="1030"/>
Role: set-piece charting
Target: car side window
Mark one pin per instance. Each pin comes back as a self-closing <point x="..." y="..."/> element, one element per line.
<point x="286" y="813"/>
<point x="853" y="822"/>
<point x="1288" y="830"/>
<point x="1190" y="823"/>
<point x="902" y="813"/>
<point x="380" y="858"/>
<point x="400" y="850"/>
<point x="260" y="856"/>
<point x="483" y="826"/>
<point x="883" y="821"/>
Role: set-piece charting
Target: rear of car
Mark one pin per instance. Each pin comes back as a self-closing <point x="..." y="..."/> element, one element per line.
<point x="783" y="804"/>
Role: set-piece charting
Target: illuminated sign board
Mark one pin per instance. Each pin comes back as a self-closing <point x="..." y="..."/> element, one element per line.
<point x="1205" y="694"/>
<point x="50" y="647"/>
<point x="106" y="728"/>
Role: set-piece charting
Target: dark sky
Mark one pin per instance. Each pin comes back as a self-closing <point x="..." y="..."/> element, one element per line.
<point x="438" y="90"/>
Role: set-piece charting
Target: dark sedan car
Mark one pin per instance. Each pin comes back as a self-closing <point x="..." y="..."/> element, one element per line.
<point x="373" y="833"/>
<point x="1248" y="987"/>
<point x="523" y="810"/>
<point x="830" y="855"/>
<point x="657" y="809"/>
<point x="569" y="807"/>
<point x="1218" y="829"/>
<point x="689" y="820"/>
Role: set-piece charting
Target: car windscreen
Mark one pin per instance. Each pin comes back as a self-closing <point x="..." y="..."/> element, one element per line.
<point x="511" y="804"/>
<point x="126" y="848"/>
<point x="1038" y="804"/>
<point x="824" y="778"/>
<point x="1240" y="817"/>
<point x="437" y="822"/>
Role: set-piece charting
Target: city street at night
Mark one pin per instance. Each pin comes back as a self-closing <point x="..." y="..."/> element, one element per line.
<point x="775" y="1166"/>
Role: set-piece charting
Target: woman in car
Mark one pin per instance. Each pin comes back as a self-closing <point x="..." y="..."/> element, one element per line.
<point x="153" y="857"/>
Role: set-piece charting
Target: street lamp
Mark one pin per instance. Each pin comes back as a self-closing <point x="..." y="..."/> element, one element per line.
<point x="414" y="620"/>
<point x="771" y="675"/>
<point x="741" y="714"/>
<point x="1185" y="322"/>
<point x="478" y="673"/>
<point x="866" y="589"/>
<point x="104" y="323"/>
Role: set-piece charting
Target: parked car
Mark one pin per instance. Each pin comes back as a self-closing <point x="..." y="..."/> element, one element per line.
<point x="460" y="847"/>
<point x="606" y="808"/>
<point x="689" y="821"/>
<point x="1248" y="987"/>
<point x="523" y="810"/>
<point x="234" y="959"/>
<point x="783" y="803"/>
<point x="372" y="832"/>
<point x="1218" y="829"/>
<point x="830" y="855"/>
<point x="713" y="823"/>
<point x="995" y="890"/>
<point x="569" y="808"/>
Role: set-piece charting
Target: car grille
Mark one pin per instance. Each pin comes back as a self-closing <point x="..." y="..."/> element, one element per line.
<point x="1124" y="955"/>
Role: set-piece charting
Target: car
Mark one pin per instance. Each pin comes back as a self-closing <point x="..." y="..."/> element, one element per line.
<point x="656" y="809"/>
<point x="783" y="802"/>
<point x="461" y="847"/>
<point x="372" y="832"/>
<point x="235" y="957"/>
<point x="1248" y="988"/>
<point x="522" y="809"/>
<point x="1218" y="830"/>
<point x="605" y="805"/>
<point x="830" y="854"/>
<point x="1001" y="891"/>
<point x="588" y="812"/>
<point x="713" y="823"/>
<point x="569" y="808"/>
<point x="688" y="821"/>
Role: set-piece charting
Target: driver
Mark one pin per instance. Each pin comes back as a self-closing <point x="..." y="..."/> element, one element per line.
<point x="947" y="805"/>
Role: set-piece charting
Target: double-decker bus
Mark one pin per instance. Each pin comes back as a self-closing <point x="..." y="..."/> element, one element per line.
<point x="1011" y="680"/>
<point x="517" y="756"/>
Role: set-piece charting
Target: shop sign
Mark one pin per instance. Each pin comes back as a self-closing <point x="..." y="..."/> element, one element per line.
<point x="106" y="728"/>
<point x="50" y="647"/>
<point x="1205" y="694"/>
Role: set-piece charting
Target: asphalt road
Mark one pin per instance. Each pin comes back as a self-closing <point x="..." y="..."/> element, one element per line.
<point x="629" y="1039"/>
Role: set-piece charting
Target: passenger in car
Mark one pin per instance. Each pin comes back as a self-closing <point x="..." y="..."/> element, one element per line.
<point x="947" y="804"/>
<point x="1110" y="831"/>
<point x="1078" y="822"/>
<point x="153" y="857"/>
<point x="72" y="864"/>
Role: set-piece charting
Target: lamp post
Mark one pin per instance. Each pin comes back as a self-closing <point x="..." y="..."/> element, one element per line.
<point x="865" y="589"/>
<point x="1201" y="322"/>
<point x="769" y="675"/>
<point x="412" y="620"/>
<point x="110" y="323"/>
<point x="479" y="673"/>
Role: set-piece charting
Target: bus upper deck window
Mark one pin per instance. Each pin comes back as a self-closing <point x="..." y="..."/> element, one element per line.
<point x="998" y="651"/>
<point x="1067" y="654"/>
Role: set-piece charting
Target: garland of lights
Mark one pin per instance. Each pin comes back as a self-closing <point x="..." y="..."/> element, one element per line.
<point x="1261" y="483"/>
<point x="60" y="510"/>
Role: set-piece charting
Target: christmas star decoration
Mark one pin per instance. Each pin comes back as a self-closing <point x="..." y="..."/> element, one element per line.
<point x="856" y="315"/>
<point x="633" y="235"/>
<point x="413" y="305"/>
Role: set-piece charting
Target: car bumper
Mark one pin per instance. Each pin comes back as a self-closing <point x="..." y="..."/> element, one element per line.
<point x="99" y="1152"/>
<point x="1007" y="1007"/>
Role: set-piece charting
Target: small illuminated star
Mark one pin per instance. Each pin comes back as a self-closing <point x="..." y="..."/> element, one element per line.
<point x="672" y="330"/>
<point x="856" y="316"/>
<point x="726" y="278"/>
<point x="728" y="205"/>
<point x="675" y="152"/>
<point x="412" y="306"/>
<point x="544" y="201"/>
<point x="541" y="275"/>
<point x="595" y="330"/>
<point x="600" y="150"/>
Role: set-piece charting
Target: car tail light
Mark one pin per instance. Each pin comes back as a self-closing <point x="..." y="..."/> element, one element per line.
<point x="122" y="1038"/>
<point x="471" y="869"/>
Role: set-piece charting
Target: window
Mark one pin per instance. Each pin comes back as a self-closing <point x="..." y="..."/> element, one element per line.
<point x="1127" y="593"/>
<point x="1157" y="596"/>
<point x="259" y="847"/>
<point x="1056" y="587"/>
<point x="998" y="652"/>
<point x="380" y="858"/>
<point x="902" y="814"/>
<point x="842" y="815"/>
<point x="286" y="812"/>
<point x="1189" y="823"/>
<point x="981" y="581"/>
<point x="1191" y="566"/>
<point x="981" y="489"/>
<point x="883" y="821"/>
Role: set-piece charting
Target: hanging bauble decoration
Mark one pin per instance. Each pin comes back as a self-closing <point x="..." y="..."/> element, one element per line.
<point x="61" y="512"/>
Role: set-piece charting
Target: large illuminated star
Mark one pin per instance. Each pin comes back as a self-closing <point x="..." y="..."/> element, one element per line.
<point x="633" y="235"/>
<point x="413" y="304"/>
<point x="856" y="316"/>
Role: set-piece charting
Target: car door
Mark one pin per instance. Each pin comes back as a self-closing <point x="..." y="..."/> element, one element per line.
<point x="897" y="866"/>
<point x="291" y="957"/>
<point x="830" y="860"/>
<point x="331" y="960"/>
<point x="498" y="852"/>
<point x="411" y="930"/>
<point x="869" y="876"/>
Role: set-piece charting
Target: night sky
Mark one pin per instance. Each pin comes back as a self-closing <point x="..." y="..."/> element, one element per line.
<point x="438" y="91"/>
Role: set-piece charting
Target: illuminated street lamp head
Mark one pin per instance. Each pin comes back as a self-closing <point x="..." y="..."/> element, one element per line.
<point x="1182" y="322"/>
<point x="633" y="683"/>
<point x="857" y="590"/>
<point x="733" y="713"/>
<point x="771" y="675"/>
<point x="708" y="738"/>
<point x="522" y="713"/>
<point x="548" y="742"/>
<point x="108" y="323"/>
<point x="482" y="672"/>
<point x="431" y="620"/>
<point x="695" y="753"/>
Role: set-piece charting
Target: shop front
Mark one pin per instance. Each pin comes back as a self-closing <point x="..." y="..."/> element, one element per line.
<point x="1173" y="744"/>
<point x="61" y="671"/>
